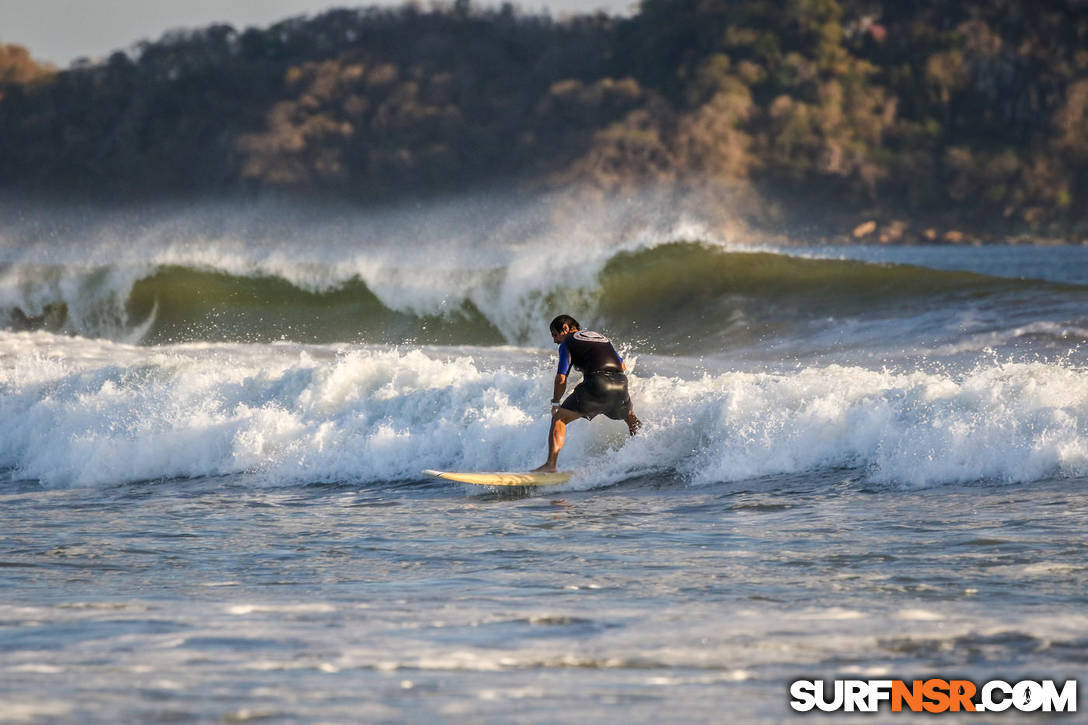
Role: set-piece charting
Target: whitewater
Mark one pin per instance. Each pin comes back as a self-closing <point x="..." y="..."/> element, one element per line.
<point x="856" y="460"/>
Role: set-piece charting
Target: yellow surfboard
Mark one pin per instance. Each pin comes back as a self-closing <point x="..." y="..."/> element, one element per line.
<point x="504" y="478"/>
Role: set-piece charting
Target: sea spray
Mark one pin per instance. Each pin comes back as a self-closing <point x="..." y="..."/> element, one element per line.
<point x="84" y="412"/>
<point x="676" y="298"/>
<point x="499" y="260"/>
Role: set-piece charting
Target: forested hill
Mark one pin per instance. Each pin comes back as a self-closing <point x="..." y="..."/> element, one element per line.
<point x="972" y="113"/>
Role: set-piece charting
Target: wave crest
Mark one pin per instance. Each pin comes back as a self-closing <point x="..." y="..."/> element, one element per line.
<point x="84" y="412"/>
<point x="677" y="297"/>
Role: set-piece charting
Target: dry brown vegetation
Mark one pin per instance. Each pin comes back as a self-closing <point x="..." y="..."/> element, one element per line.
<point x="970" y="115"/>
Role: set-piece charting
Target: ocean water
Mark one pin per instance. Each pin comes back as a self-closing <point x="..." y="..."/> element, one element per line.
<point x="856" y="462"/>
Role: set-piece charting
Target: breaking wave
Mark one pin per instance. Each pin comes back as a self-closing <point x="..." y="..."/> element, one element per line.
<point x="83" y="413"/>
<point x="678" y="296"/>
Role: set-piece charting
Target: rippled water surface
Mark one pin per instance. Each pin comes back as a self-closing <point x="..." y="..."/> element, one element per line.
<point x="647" y="600"/>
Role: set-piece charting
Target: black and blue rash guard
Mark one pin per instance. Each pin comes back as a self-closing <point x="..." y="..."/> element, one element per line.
<point x="590" y="352"/>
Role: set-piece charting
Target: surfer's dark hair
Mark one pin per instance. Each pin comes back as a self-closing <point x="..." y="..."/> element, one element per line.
<point x="558" y="322"/>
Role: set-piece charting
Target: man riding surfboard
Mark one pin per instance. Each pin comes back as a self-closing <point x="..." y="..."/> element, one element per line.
<point x="603" y="388"/>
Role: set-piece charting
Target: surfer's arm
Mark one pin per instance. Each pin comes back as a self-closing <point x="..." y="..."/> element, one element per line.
<point x="559" y="389"/>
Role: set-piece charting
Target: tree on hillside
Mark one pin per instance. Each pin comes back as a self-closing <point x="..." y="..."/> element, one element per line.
<point x="819" y="109"/>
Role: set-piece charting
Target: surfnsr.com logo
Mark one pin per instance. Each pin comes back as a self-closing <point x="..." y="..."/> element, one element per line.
<point x="933" y="696"/>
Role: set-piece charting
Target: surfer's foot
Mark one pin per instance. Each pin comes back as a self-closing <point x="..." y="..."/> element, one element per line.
<point x="546" y="468"/>
<point x="633" y="424"/>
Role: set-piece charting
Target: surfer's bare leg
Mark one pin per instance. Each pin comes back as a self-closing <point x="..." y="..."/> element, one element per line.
<point x="557" y="435"/>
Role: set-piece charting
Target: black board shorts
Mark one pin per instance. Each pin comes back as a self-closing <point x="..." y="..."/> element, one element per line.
<point x="602" y="392"/>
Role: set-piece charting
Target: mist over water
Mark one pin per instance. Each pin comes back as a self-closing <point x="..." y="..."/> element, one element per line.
<point x="488" y="271"/>
<point x="489" y="260"/>
<point x="855" y="462"/>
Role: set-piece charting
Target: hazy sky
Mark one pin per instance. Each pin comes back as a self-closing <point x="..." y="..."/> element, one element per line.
<point x="60" y="31"/>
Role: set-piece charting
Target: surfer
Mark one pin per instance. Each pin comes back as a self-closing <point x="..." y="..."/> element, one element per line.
<point x="603" y="388"/>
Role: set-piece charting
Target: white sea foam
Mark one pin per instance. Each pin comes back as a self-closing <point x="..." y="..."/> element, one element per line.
<point x="503" y="257"/>
<point x="1071" y="333"/>
<point x="27" y="710"/>
<point x="81" y="412"/>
